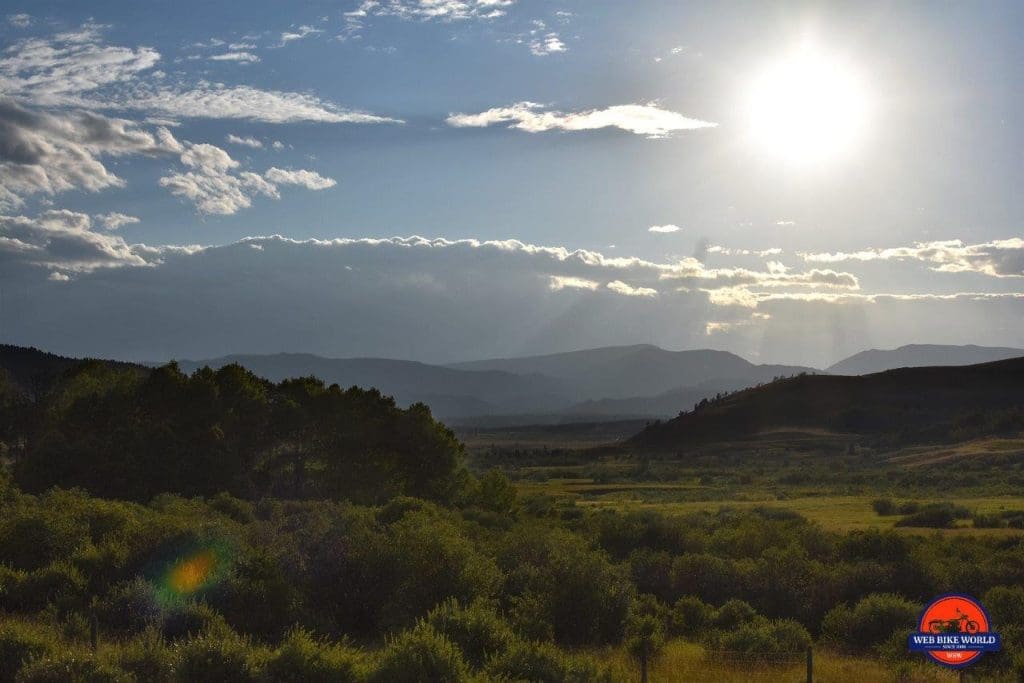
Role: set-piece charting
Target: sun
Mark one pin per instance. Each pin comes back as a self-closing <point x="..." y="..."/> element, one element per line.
<point x="807" y="108"/>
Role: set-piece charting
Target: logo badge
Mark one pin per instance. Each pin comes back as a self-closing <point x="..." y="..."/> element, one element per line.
<point x="954" y="630"/>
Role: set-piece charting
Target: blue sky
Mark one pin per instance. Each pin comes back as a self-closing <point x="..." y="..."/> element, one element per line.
<point x="575" y="125"/>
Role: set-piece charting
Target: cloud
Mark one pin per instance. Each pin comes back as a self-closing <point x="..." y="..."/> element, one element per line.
<point x="114" y="220"/>
<point x="245" y="57"/>
<point x="620" y="287"/>
<point x="559" y="282"/>
<point x="215" y="184"/>
<point x="547" y="44"/>
<point x="246" y="141"/>
<point x="668" y="228"/>
<point x="998" y="258"/>
<point x="641" y="119"/>
<point x="300" y="33"/>
<point x="307" y="179"/>
<point x="77" y="69"/>
<point x="52" y="153"/>
<point x="427" y="10"/>
<point x="64" y="240"/>
<point x="19" y="20"/>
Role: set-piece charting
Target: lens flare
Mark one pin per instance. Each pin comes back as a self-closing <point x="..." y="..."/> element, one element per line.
<point x="193" y="572"/>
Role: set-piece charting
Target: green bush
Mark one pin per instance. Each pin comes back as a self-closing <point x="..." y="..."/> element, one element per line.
<point x="188" y="619"/>
<point x="764" y="637"/>
<point x="733" y="614"/>
<point x="526" y="661"/>
<point x="987" y="521"/>
<point x="148" y="658"/>
<point x="31" y="538"/>
<point x="1005" y="605"/>
<point x="870" y="622"/>
<point x="129" y="607"/>
<point x="20" y="642"/>
<point x="69" y="666"/>
<point x="421" y="654"/>
<point x="935" y="516"/>
<point x="884" y="506"/>
<point x="690" y="616"/>
<point x="476" y="629"/>
<point x="59" y="584"/>
<point x="215" y="659"/>
<point x="301" y="658"/>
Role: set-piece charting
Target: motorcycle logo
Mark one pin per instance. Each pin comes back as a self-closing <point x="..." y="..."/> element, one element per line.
<point x="954" y="630"/>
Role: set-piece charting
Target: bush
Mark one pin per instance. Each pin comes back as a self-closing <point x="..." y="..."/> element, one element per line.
<point x="215" y="659"/>
<point x="870" y="622"/>
<point x="20" y="642"/>
<point x="733" y="614"/>
<point x="59" y="584"/>
<point x="987" y="521"/>
<point x="71" y="667"/>
<point x="188" y="619"/>
<point x="32" y="538"/>
<point x="421" y="654"/>
<point x="535" y="662"/>
<point x="301" y="658"/>
<point x="1005" y="605"/>
<point x="769" y="638"/>
<point x="129" y="607"/>
<point x="935" y="516"/>
<point x="884" y="506"/>
<point x="690" y="616"/>
<point x="148" y="658"/>
<point x="476" y="629"/>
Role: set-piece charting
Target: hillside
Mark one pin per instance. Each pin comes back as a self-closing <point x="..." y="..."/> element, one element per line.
<point x="34" y="371"/>
<point x="908" y="404"/>
<point x="920" y="355"/>
<point x="639" y="371"/>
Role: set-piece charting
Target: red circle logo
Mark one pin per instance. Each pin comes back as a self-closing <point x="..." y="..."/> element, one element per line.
<point x="958" y="616"/>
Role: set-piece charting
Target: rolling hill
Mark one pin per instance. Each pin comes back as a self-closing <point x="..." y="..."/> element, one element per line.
<point x="905" y="405"/>
<point x="920" y="355"/>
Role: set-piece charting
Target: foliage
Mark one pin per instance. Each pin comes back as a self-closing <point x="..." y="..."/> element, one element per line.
<point x="421" y="654"/>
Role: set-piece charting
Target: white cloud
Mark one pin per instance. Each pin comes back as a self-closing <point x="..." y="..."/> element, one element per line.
<point x="547" y="44"/>
<point x="425" y="10"/>
<point x="310" y="180"/>
<point x="620" y="287"/>
<point x="51" y="153"/>
<point x="245" y="141"/>
<point x="299" y="33"/>
<point x="559" y="282"/>
<point x="668" y="228"/>
<point x="19" y="20"/>
<point x="114" y="220"/>
<point x="78" y="69"/>
<point x="245" y="57"/>
<point x="215" y="184"/>
<point x="998" y="258"/>
<point x="642" y="119"/>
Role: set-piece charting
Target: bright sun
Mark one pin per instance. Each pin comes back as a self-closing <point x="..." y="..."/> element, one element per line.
<point x="807" y="108"/>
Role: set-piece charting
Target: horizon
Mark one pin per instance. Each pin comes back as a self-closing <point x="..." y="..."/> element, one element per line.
<point x="769" y="181"/>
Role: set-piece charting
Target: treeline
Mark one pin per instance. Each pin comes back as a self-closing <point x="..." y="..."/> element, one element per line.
<point x="123" y="434"/>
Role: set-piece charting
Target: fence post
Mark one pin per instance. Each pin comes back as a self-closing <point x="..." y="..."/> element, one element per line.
<point x="810" y="664"/>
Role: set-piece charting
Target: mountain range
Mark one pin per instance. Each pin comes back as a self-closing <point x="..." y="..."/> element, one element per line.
<point x="638" y="381"/>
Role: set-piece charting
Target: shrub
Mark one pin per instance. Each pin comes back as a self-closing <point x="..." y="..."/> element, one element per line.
<point x="215" y="659"/>
<point x="525" y="661"/>
<point x="71" y="667"/>
<point x="476" y="629"/>
<point x="129" y="607"/>
<point x="301" y="658"/>
<point x="870" y="622"/>
<point x="32" y="538"/>
<point x="884" y="506"/>
<point x="734" y="614"/>
<point x="769" y="638"/>
<point x="20" y="642"/>
<point x="188" y="619"/>
<point x="148" y="658"/>
<point x="421" y="654"/>
<point x="1005" y="605"/>
<point x="934" y="516"/>
<point x="59" y="584"/>
<point x="987" y="521"/>
<point x="690" y="615"/>
<point x="241" y="511"/>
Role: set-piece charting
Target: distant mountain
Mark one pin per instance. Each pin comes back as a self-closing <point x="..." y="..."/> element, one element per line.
<point x="449" y="392"/>
<point x="920" y="355"/>
<point x="639" y="371"/>
<point x="907" y="404"/>
<point x="34" y="371"/>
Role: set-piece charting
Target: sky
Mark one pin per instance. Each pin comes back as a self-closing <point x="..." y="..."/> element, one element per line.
<point x="444" y="180"/>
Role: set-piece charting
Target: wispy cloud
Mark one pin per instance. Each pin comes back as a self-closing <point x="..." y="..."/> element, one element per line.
<point x="244" y="141"/>
<point x="664" y="229"/>
<point x="115" y="220"/>
<point x="649" y="120"/>
<point x="241" y="56"/>
<point x="998" y="258"/>
<point x="620" y="287"/>
<point x="19" y="20"/>
<point x="298" y="34"/>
